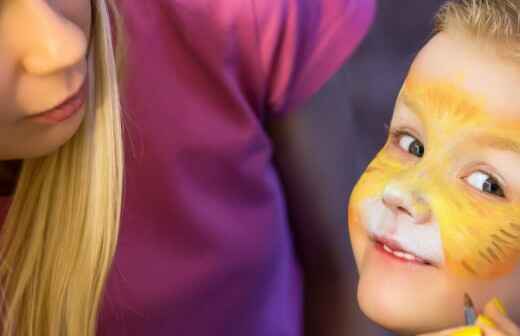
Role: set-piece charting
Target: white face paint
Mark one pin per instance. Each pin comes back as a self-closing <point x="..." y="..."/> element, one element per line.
<point x="421" y="240"/>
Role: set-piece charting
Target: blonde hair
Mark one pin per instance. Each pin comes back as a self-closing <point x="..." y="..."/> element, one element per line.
<point x="485" y="20"/>
<point x="60" y="234"/>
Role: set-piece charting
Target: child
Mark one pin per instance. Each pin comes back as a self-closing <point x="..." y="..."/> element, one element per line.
<point x="437" y="213"/>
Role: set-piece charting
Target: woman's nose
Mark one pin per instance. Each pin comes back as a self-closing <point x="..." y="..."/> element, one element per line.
<point x="53" y="43"/>
<point x="405" y="202"/>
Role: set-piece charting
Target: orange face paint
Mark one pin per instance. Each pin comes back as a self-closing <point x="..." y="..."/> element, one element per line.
<point x="480" y="233"/>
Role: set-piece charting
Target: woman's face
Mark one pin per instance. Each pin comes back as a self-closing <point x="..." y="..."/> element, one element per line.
<point x="43" y="74"/>
<point x="437" y="213"/>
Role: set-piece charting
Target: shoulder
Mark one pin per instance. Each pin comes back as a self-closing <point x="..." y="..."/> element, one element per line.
<point x="225" y="12"/>
<point x="312" y="10"/>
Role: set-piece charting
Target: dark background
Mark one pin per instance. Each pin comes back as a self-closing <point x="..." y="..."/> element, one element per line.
<point x="347" y="138"/>
<point x="375" y="73"/>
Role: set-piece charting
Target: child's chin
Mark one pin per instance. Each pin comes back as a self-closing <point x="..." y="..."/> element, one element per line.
<point x="407" y="308"/>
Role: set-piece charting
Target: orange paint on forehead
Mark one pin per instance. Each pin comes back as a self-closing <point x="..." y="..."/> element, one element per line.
<point x="443" y="99"/>
<point x="449" y="100"/>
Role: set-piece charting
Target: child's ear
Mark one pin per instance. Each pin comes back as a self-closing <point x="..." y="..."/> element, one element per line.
<point x="9" y="171"/>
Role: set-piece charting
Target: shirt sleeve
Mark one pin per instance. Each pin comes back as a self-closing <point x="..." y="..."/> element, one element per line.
<point x="302" y="43"/>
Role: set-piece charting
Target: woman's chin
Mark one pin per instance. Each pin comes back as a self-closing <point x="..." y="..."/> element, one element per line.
<point x="43" y="140"/>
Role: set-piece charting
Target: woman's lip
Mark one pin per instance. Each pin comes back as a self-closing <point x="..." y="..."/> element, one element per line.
<point x="393" y="249"/>
<point x="64" y="110"/>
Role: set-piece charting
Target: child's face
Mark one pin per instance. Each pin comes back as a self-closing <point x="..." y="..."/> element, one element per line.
<point x="445" y="190"/>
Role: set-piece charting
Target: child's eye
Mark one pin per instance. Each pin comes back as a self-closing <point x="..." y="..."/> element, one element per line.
<point x="486" y="183"/>
<point x="411" y="144"/>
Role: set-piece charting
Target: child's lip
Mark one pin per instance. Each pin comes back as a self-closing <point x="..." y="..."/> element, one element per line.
<point x="395" y="246"/>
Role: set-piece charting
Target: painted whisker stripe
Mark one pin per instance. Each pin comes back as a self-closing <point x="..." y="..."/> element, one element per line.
<point x="498" y="248"/>
<point x="492" y="254"/>
<point x="468" y="267"/>
<point x="501" y="240"/>
<point x="508" y="234"/>
<point x="485" y="256"/>
<point x="515" y="226"/>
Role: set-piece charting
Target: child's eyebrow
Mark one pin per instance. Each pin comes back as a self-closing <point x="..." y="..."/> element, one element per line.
<point x="498" y="142"/>
<point x="416" y="106"/>
<point x="441" y="100"/>
<point x="410" y="102"/>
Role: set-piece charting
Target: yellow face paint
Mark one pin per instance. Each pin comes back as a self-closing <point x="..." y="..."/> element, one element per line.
<point x="480" y="233"/>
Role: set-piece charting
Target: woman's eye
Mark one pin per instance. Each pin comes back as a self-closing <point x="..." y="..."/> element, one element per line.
<point x="411" y="145"/>
<point x="485" y="183"/>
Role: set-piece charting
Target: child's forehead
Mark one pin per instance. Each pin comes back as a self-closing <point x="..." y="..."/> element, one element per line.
<point x="448" y="101"/>
<point x="455" y="120"/>
<point x="459" y="71"/>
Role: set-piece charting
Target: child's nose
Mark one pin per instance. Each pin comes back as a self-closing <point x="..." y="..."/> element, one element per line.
<point x="53" y="43"/>
<point x="403" y="201"/>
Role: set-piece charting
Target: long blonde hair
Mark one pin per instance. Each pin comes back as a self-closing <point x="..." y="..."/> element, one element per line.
<point x="60" y="234"/>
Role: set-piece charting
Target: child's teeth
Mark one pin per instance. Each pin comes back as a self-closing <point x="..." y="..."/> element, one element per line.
<point x="399" y="254"/>
<point x="408" y="256"/>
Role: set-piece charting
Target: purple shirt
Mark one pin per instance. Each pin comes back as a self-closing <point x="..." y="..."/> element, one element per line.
<point x="205" y="247"/>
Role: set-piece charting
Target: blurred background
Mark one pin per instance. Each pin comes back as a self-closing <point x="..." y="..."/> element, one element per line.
<point x="370" y="84"/>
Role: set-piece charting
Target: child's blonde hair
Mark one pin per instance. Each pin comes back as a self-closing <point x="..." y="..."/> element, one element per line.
<point x="60" y="234"/>
<point x="486" y="20"/>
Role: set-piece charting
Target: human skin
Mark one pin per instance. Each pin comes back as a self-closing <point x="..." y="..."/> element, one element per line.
<point x="445" y="188"/>
<point x="43" y="62"/>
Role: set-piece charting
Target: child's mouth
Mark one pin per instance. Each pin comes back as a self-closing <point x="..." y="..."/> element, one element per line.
<point x="394" y="250"/>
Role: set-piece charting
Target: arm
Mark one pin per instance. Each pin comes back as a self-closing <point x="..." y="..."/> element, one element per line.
<point x="314" y="151"/>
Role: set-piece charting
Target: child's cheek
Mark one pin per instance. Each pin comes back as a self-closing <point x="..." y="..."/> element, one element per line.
<point x="372" y="183"/>
<point x="481" y="237"/>
<point x="478" y="238"/>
